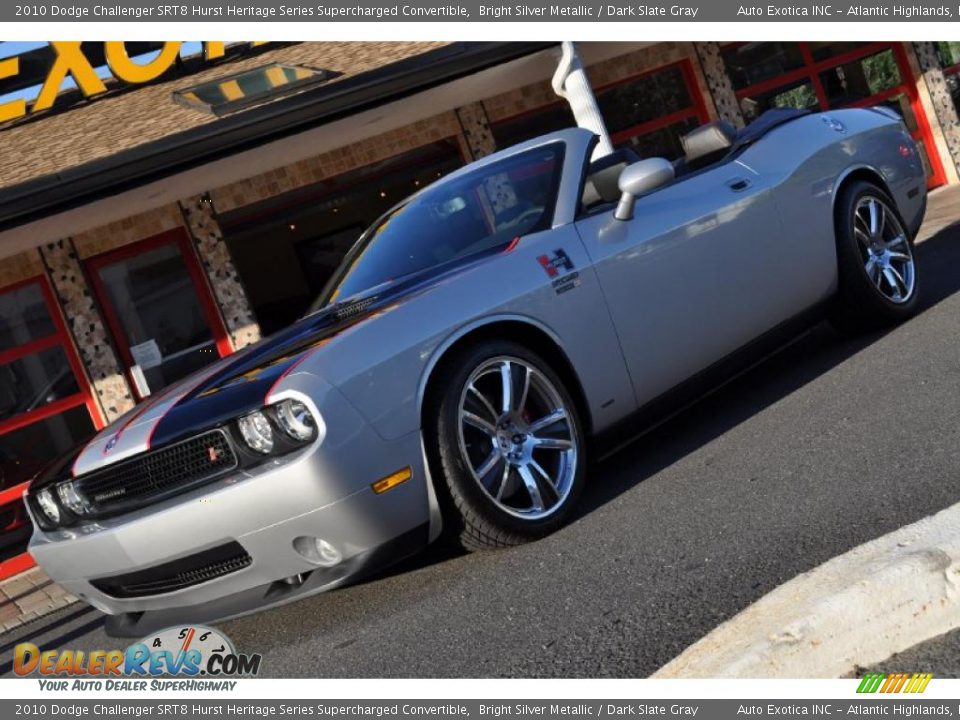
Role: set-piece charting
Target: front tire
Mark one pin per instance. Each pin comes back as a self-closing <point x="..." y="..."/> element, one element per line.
<point x="876" y="266"/>
<point x="504" y="434"/>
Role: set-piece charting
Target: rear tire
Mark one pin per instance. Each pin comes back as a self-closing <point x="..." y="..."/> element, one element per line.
<point x="877" y="271"/>
<point x="510" y="465"/>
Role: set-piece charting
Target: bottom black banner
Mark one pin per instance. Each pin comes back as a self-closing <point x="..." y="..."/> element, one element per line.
<point x="503" y="710"/>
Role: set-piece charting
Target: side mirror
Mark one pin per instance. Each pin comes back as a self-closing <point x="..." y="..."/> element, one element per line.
<point x="640" y="178"/>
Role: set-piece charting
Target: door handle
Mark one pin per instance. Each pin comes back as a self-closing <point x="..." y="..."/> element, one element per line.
<point x="739" y="184"/>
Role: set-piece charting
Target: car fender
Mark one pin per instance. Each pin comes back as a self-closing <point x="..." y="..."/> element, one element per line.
<point x="465" y="330"/>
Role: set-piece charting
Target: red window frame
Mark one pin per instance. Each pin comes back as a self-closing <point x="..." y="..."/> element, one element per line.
<point x="696" y="110"/>
<point x="59" y="338"/>
<point x="179" y="238"/>
<point x="811" y="69"/>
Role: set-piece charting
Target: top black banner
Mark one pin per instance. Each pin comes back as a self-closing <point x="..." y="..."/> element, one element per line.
<point x="440" y="11"/>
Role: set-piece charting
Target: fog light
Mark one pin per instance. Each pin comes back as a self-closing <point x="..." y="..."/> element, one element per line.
<point x="296" y="420"/>
<point x="256" y="432"/>
<point x="71" y="499"/>
<point x="48" y="506"/>
<point x="317" y="550"/>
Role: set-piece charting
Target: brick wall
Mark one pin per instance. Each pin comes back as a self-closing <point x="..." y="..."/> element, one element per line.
<point x="87" y="327"/>
<point x="20" y="267"/>
<point x="931" y="82"/>
<point x="129" y="230"/>
<point x="718" y="83"/>
<point x="207" y="236"/>
<point x="335" y="162"/>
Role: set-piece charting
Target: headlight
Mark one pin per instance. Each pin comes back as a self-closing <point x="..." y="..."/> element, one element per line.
<point x="71" y="499"/>
<point x="48" y="506"/>
<point x="295" y="420"/>
<point x="256" y="432"/>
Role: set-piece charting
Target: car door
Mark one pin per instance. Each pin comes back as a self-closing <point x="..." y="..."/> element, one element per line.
<point x="698" y="272"/>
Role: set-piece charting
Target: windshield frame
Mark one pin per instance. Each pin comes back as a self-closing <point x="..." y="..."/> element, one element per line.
<point x="545" y="222"/>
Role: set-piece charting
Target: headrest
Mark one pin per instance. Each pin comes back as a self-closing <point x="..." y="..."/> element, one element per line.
<point x="603" y="176"/>
<point x="708" y="141"/>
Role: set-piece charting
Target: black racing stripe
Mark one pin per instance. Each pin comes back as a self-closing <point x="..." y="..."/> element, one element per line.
<point x="242" y="386"/>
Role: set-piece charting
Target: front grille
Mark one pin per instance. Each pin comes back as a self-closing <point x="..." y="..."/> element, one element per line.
<point x="177" y="574"/>
<point x="157" y="473"/>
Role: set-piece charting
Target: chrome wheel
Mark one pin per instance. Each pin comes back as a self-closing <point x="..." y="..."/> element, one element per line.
<point x="518" y="438"/>
<point x="884" y="249"/>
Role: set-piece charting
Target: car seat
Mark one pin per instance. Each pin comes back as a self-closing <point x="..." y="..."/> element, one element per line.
<point x="706" y="145"/>
<point x="603" y="177"/>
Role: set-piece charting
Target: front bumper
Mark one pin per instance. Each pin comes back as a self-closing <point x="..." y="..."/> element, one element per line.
<point x="321" y="492"/>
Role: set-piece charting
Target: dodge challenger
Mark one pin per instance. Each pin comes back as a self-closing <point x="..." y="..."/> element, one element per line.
<point x="478" y="340"/>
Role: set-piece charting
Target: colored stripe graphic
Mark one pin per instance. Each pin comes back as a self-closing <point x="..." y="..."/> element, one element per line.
<point x="894" y="682"/>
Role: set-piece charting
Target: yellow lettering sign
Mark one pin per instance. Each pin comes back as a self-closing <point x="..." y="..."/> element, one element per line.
<point x="69" y="61"/>
<point x="13" y="108"/>
<point x="214" y="50"/>
<point x="126" y="69"/>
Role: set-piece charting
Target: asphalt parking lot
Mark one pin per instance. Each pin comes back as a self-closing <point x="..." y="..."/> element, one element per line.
<point x="828" y="444"/>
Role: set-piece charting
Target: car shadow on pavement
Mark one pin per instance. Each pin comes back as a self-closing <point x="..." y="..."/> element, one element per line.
<point x="57" y="630"/>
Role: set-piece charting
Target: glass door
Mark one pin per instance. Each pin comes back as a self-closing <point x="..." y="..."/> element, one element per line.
<point x="160" y="310"/>
<point x="46" y="405"/>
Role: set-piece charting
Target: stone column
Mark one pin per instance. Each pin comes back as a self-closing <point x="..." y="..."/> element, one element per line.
<point x="946" y="112"/>
<point x="476" y="129"/>
<point x="200" y="218"/>
<point x="88" y="328"/>
<point x="719" y="84"/>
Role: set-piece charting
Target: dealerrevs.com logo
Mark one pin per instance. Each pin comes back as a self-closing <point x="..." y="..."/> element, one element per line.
<point x="190" y="657"/>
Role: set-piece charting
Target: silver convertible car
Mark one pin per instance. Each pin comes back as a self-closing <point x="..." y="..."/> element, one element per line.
<point x="478" y="339"/>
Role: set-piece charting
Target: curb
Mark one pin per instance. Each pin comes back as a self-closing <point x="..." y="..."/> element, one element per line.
<point x="854" y="611"/>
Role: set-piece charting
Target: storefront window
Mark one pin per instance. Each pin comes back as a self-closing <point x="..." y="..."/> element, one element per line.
<point x="827" y="49"/>
<point x="861" y="78"/>
<point x="649" y="113"/>
<point x="154" y="308"/>
<point x="645" y="98"/>
<point x="35" y="380"/>
<point x="533" y="124"/>
<point x="825" y="75"/>
<point x="26" y="451"/>
<point x="287" y="248"/>
<point x="24" y="316"/>
<point x="798" y="95"/>
<point x="45" y="408"/>
<point x="751" y="63"/>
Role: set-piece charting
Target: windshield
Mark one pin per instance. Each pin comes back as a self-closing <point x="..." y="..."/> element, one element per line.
<point x="476" y="213"/>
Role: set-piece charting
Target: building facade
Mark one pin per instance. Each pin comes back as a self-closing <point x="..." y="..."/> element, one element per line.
<point x="114" y="284"/>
